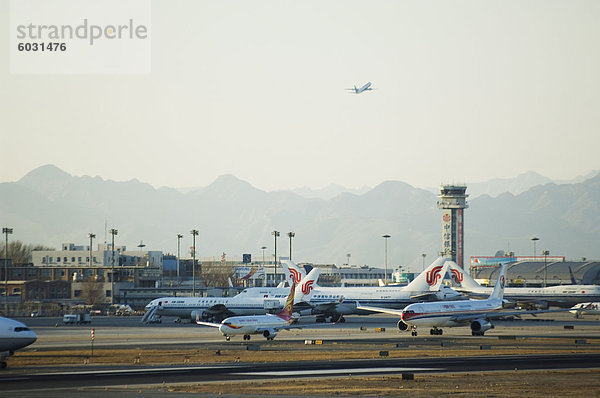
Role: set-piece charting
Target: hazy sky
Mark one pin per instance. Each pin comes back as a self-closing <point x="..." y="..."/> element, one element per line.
<point x="465" y="91"/>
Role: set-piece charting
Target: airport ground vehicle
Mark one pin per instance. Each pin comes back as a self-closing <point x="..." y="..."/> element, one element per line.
<point x="77" y="319"/>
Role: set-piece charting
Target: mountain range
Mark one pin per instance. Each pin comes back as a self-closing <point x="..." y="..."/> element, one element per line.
<point x="49" y="206"/>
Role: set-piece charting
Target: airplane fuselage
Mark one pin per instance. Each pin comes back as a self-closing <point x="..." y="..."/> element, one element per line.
<point x="247" y="325"/>
<point x="447" y="314"/>
<point x="13" y="336"/>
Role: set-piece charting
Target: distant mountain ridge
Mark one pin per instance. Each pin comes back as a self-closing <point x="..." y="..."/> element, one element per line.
<point x="50" y="206"/>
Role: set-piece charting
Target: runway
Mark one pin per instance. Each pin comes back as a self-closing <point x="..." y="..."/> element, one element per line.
<point x="554" y="334"/>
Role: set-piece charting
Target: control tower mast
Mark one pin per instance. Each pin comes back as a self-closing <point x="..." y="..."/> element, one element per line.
<point x="452" y="202"/>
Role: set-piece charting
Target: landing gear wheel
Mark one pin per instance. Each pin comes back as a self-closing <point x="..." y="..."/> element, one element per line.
<point x="414" y="333"/>
<point x="227" y="338"/>
<point x="246" y="337"/>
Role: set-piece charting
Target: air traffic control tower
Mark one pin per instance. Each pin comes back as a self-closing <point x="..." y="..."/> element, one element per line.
<point x="453" y="201"/>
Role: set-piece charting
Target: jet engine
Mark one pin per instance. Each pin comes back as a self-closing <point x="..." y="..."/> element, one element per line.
<point x="196" y="315"/>
<point x="479" y="326"/>
<point x="269" y="334"/>
<point x="402" y="326"/>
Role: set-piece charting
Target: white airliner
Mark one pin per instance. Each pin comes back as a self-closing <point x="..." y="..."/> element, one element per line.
<point x="13" y="336"/>
<point x="335" y="302"/>
<point x="560" y="296"/>
<point x="267" y="325"/>
<point x="358" y="90"/>
<point x="251" y="301"/>
<point x="585" y="309"/>
<point x="476" y="313"/>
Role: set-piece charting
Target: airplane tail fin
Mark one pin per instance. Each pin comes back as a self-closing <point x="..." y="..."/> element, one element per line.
<point x="573" y="279"/>
<point x="462" y="278"/>
<point x="293" y="273"/>
<point x="306" y="286"/>
<point x="287" y="311"/>
<point x="428" y="277"/>
<point x="498" y="292"/>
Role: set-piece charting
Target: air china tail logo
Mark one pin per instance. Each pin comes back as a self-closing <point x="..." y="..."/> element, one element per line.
<point x="502" y="281"/>
<point x="295" y="275"/>
<point x="457" y="276"/>
<point x="433" y="275"/>
<point x="307" y="287"/>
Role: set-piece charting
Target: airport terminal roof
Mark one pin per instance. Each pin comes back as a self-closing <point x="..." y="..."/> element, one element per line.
<point x="557" y="272"/>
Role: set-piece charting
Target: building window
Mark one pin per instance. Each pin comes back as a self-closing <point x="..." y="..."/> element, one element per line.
<point x="79" y="259"/>
<point x="77" y="293"/>
<point x="72" y="259"/>
<point x="50" y="259"/>
<point x="58" y="259"/>
<point x="108" y="293"/>
<point x="64" y="259"/>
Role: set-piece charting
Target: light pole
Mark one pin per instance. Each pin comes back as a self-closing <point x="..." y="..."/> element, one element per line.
<point x="275" y="234"/>
<point x="194" y="233"/>
<point x="534" y="239"/>
<point x="113" y="232"/>
<point x="386" y="237"/>
<point x="545" y="253"/>
<point x="263" y="250"/>
<point x="91" y="236"/>
<point x="291" y="235"/>
<point x="348" y="255"/>
<point x="179" y="236"/>
<point x="6" y="231"/>
<point x="424" y="255"/>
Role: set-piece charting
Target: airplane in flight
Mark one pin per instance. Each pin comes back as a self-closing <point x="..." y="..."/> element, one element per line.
<point x="251" y="301"/>
<point x="14" y="335"/>
<point x="563" y="296"/>
<point x="335" y="302"/>
<point x="358" y="90"/>
<point x="267" y="325"/>
<point x="476" y="313"/>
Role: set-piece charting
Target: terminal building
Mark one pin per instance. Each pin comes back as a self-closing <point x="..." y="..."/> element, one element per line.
<point x="538" y="271"/>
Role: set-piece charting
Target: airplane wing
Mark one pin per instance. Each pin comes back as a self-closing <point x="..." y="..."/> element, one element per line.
<point x="211" y="324"/>
<point x="378" y="309"/>
<point x="500" y="314"/>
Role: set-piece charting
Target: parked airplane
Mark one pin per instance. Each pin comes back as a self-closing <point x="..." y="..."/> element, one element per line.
<point x="13" y="336"/>
<point x="585" y="309"/>
<point x="251" y="301"/>
<point x="334" y="302"/>
<point x="358" y="90"/>
<point x="476" y="313"/>
<point x="267" y="325"/>
<point x="563" y="296"/>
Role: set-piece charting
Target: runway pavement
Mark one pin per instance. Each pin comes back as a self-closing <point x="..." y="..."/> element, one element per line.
<point x="358" y="331"/>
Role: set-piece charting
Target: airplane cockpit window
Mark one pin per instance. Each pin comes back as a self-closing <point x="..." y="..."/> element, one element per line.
<point x="21" y="329"/>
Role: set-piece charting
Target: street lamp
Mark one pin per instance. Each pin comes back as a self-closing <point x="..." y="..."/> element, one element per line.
<point x="91" y="236"/>
<point x="291" y="235"/>
<point x="113" y="232"/>
<point x="6" y="231"/>
<point x="534" y="239"/>
<point x="179" y="236"/>
<point x="194" y="233"/>
<point x="386" y="237"/>
<point x="348" y="263"/>
<point x="545" y="253"/>
<point x="275" y="234"/>
<point x="263" y="248"/>
<point x="424" y="255"/>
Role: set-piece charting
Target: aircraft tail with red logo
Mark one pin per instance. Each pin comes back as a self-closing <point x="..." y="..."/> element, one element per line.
<point x="305" y="289"/>
<point x="462" y="278"/>
<point x="431" y="277"/>
<point x="293" y="273"/>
